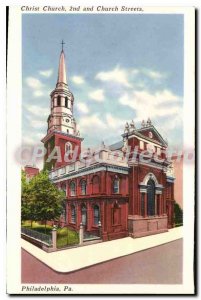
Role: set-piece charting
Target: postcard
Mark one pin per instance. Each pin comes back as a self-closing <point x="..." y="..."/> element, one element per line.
<point x="100" y="143"/>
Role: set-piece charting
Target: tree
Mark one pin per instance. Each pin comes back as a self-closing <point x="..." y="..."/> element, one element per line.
<point x="27" y="203"/>
<point x="42" y="198"/>
<point x="178" y="214"/>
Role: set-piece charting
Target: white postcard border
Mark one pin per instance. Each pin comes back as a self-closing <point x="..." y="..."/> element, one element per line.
<point x="14" y="92"/>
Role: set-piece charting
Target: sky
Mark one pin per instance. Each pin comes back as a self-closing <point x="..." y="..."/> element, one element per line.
<point x="119" y="67"/>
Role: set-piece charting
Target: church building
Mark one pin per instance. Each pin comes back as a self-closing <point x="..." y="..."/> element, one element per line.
<point x="118" y="187"/>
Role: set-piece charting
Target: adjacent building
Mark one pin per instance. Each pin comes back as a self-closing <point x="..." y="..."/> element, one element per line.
<point x="31" y="171"/>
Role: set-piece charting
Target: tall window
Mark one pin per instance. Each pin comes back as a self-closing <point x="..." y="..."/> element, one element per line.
<point x="84" y="214"/>
<point x="66" y="102"/>
<point x="116" y="186"/>
<point x="83" y="187"/>
<point x="73" y="214"/>
<point x="59" y="101"/>
<point x="72" y="188"/>
<point x="150" y="198"/>
<point x="63" y="187"/>
<point x="96" y="214"/>
<point x="68" y="147"/>
<point x="64" y="211"/>
<point x="68" y="150"/>
<point x="95" y="185"/>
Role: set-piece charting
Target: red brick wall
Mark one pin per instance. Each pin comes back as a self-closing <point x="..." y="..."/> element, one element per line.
<point x="100" y="192"/>
<point x="134" y="142"/>
<point x="31" y="171"/>
<point x="60" y="141"/>
<point x="97" y="185"/>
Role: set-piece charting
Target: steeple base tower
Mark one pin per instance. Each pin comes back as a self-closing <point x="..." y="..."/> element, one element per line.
<point x="61" y="149"/>
<point x="63" y="141"/>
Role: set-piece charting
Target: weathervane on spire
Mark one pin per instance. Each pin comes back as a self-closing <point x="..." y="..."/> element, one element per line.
<point x="62" y="43"/>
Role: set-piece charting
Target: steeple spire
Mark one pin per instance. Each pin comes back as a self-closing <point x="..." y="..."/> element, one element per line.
<point x="62" y="67"/>
<point x="61" y="116"/>
<point x="62" y="43"/>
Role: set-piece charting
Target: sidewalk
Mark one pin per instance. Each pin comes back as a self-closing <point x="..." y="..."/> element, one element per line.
<point x="77" y="258"/>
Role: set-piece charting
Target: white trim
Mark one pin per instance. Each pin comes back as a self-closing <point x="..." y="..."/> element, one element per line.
<point x="111" y="169"/>
<point x="142" y="190"/>
<point x="150" y="176"/>
<point x="146" y="141"/>
<point x="157" y="192"/>
<point x="91" y="171"/>
<point x="142" y="145"/>
<point x="136" y="163"/>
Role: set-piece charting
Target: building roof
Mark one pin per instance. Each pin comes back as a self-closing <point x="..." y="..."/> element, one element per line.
<point x="116" y="146"/>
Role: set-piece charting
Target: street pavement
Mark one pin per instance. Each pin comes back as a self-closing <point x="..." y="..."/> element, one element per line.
<point x="81" y="257"/>
<point x="156" y="265"/>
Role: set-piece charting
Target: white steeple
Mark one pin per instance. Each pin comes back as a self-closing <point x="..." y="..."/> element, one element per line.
<point x="62" y="69"/>
<point x="61" y="117"/>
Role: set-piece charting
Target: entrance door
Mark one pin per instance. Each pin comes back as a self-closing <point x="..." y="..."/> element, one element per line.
<point x="150" y="198"/>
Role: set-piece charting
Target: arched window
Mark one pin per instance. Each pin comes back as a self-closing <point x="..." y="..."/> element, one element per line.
<point x="96" y="214"/>
<point x="116" y="186"/>
<point x="83" y="187"/>
<point x="68" y="150"/>
<point x="68" y="147"/>
<point x="150" y="198"/>
<point x="95" y="185"/>
<point x="63" y="187"/>
<point x="72" y="188"/>
<point x="84" y="214"/>
<point x="59" y="101"/>
<point x="73" y="214"/>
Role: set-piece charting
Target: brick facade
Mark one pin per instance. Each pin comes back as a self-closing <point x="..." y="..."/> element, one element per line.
<point x="126" y="195"/>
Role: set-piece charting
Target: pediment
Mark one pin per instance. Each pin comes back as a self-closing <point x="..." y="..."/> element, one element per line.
<point x="152" y="134"/>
